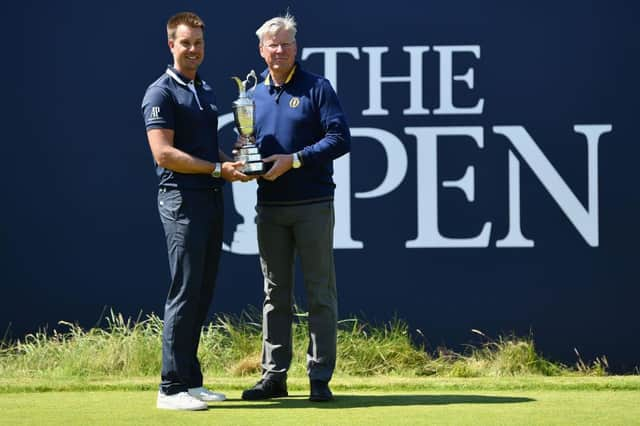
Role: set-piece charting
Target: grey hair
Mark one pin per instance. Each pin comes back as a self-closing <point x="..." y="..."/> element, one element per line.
<point x="274" y="25"/>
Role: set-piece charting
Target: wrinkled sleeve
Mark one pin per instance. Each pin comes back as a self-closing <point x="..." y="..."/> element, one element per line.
<point x="157" y="109"/>
<point x="337" y="138"/>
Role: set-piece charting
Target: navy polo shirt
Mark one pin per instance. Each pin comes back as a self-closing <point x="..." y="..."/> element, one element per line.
<point x="189" y="109"/>
<point x="303" y="115"/>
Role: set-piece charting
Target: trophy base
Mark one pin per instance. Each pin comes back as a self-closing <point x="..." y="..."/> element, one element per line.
<point x="253" y="160"/>
<point x="254" y="168"/>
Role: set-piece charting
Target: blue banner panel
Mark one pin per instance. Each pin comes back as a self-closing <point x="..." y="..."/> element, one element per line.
<point x="492" y="182"/>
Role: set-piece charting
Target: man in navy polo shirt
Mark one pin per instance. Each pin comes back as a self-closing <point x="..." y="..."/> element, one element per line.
<point x="301" y="129"/>
<point x="181" y="119"/>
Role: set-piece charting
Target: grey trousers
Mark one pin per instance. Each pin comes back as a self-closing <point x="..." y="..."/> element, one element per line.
<point x="283" y="233"/>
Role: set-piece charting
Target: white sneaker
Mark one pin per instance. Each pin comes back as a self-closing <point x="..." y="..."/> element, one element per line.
<point x="180" y="401"/>
<point x="204" y="394"/>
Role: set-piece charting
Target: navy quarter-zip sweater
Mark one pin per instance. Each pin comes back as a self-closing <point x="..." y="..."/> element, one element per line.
<point x="303" y="116"/>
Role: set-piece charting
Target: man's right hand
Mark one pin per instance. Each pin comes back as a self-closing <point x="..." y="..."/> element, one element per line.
<point x="232" y="172"/>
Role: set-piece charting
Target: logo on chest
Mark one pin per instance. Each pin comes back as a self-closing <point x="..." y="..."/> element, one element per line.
<point x="294" y="102"/>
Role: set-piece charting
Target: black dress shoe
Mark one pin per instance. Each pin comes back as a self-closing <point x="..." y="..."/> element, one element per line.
<point x="265" y="389"/>
<point x="320" y="391"/>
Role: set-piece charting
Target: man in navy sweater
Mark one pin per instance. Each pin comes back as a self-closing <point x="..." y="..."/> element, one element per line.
<point x="300" y="129"/>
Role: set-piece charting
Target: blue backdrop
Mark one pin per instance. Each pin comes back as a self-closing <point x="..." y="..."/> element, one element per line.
<point x="492" y="182"/>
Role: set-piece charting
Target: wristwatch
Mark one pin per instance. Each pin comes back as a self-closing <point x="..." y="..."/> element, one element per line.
<point x="296" y="161"/>
<point x="217" y="170"/>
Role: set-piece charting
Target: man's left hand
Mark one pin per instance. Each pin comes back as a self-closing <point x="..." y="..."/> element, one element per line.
<point x="281" y="164"/>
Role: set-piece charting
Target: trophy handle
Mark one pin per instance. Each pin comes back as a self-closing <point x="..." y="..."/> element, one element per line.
<point x="252" y="74"/>
<point x="243" y="85"/>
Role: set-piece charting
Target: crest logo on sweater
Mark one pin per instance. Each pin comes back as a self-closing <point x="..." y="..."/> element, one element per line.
<point x="294" y="102"/>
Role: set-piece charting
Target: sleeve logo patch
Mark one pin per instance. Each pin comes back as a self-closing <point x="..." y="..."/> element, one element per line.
<point x="155" y="113"/>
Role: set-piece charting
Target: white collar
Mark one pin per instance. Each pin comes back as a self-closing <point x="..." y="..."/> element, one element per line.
<point x="173" y="75"/>
<point x="190" y="85"/>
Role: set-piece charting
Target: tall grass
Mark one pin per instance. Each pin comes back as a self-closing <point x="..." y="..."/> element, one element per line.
<point x="230" y="346"/>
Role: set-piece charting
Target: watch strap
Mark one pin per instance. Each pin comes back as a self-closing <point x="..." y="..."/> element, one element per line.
<point x="217" y="170"/>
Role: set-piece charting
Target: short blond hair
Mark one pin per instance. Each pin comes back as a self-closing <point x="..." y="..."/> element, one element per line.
<point x="189" y="19"/>
<point x="275" y="25"/>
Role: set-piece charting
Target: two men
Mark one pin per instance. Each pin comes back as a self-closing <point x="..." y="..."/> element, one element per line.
<point x="300" y="128"/>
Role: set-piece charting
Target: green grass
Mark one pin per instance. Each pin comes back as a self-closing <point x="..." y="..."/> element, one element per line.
<point x="230" y="347"/>
<point x="340" y="383"/>
<point x="463" y="407"/>
<point x="110" y="376"/>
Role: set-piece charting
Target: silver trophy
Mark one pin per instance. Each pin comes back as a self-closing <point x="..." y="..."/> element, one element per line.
<point x="244" y="114"/>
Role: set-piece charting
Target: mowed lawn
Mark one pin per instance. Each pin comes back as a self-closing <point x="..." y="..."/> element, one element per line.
<point x="597" y="401"/>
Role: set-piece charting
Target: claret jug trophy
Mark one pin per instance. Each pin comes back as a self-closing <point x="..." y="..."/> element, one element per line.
<point x="244" y="113"/>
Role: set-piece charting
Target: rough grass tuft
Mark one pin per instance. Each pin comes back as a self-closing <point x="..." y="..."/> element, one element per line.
<point x="230" y="346"/>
